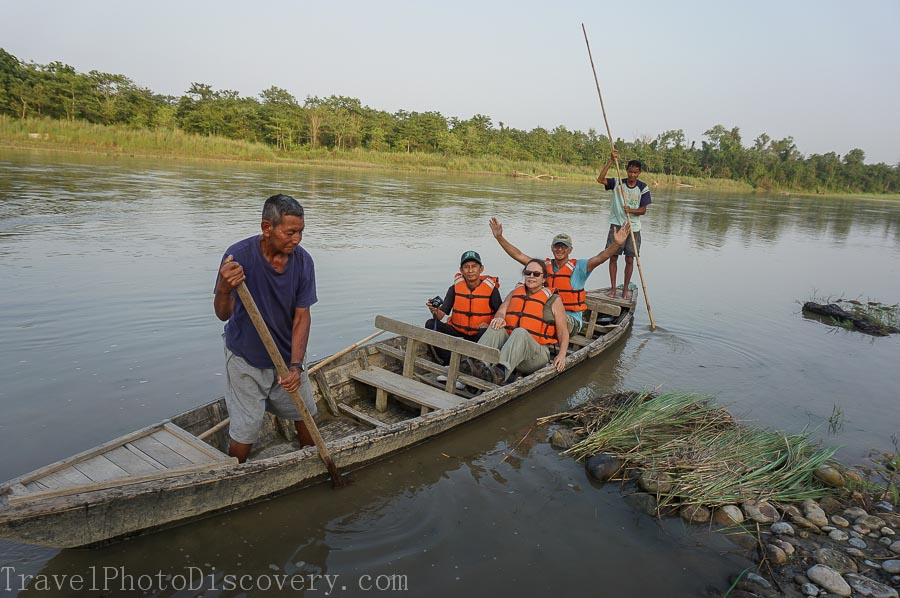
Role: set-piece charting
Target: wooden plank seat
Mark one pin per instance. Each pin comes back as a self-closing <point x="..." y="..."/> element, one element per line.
<point x="386" y="383"/>
<point x="156" y="452"/>
<point x="456" y="346"/>
<point x="360" y="416"/>
<point x="430" y="366"/>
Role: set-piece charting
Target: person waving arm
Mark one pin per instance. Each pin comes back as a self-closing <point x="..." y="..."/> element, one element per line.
<point x="511" y="250"/>
<point x="619" y="238"/>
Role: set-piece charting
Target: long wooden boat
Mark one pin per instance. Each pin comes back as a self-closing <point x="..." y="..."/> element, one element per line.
<point x="378" y="399"/>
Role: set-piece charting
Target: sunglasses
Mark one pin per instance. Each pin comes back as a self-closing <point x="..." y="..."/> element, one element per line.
<point x="534" y="273"/>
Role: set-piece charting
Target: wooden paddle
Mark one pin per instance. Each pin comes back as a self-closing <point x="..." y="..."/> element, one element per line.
<point x="281" y="368"/>
<point x="637" y="258"/>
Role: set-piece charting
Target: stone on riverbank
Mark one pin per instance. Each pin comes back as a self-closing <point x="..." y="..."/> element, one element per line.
<point x="782" y="528"/>
<point x="814" y="513"/>
<point x="870" y="521"/>
<point x="775" y="555"/>
<point x="760" y="511"/>
<point x="728" y="515"/>
<point x="602" y="466"/>
<point x="695" y="513"/>
<point x="835" y="560"/>
<point x="864" y="586"/>
<point x="828" y="578"/>
<point x="655" y="482"/>
<point x="563" y="438"/>
<point x="829" y="475"/>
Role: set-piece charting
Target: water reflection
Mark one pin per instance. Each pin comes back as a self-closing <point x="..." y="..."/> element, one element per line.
<point x="107" y="326"/>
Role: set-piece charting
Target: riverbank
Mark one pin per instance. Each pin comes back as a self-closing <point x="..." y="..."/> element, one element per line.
<point x="117" y="140"/>
<point x="814" y="526"/>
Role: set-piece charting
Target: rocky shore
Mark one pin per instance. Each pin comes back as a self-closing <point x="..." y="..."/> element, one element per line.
<point x="845" y="544"/>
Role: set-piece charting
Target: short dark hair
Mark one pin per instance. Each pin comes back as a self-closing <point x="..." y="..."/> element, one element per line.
<point x="634" y="163"/>
<point x="280" y="205"/>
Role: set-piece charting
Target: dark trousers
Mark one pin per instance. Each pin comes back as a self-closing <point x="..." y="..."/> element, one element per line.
<point x="442" y="354"/>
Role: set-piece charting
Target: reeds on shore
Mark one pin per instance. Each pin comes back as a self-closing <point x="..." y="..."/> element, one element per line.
<point x="710" y="458"/>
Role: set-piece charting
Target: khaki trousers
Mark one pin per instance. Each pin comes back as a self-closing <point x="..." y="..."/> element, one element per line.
<point x="518" y="351"/>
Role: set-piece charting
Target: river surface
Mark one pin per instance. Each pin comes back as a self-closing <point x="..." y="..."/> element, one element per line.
<point x="107" y="269"/>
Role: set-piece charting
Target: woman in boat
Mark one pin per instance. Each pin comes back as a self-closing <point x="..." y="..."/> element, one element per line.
<point x="530" y="321"/>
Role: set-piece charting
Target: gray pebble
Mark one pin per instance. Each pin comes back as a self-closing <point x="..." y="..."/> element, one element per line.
<point x="895" y="579"/>
<point x="886" y="541"/>
<point x="895" y="547"/>
<point x="838" y="535"/>
<point x="857" y="543"/>
<point x="855" y="534"/>
<point x="757" y="580"/>
<point x="884" y="506"/>
<point x="783" y="528"/>
<point x="809" y="589"/>
<point x="872" y="564"/>
<point x="856" y="552"/>
<point x="886" y="531"/>
<point x="854" y="512"/>
<point x="827" y="528"/>
<point x="892" y="566"/>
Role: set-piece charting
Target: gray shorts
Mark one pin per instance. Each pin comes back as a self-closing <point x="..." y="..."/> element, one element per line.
<point x="250" y="392"/>
<point x="628" y="247"/>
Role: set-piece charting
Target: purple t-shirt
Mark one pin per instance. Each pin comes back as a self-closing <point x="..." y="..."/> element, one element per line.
<point x="277" y="295"/>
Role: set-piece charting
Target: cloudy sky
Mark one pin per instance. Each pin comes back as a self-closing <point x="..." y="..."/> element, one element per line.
<point x="826" y="73"/>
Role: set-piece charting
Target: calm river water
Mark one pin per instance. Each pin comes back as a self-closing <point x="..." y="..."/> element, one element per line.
<point x="107" y="269"/>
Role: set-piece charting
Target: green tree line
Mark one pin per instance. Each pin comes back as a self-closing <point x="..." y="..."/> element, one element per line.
<point x="339" y="123"/>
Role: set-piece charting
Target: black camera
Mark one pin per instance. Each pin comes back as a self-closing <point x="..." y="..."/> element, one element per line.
<point x="436" y="302"/>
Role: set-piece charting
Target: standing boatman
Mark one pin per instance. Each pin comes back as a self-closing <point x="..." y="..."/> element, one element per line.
<point x="280" y="276"/>
<point x="637" y="196"/>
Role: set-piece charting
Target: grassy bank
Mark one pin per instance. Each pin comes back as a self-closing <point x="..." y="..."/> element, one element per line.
<point x="84" y="137"/>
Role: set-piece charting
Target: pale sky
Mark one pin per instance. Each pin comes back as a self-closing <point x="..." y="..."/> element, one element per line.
<point x="825" y="72"/>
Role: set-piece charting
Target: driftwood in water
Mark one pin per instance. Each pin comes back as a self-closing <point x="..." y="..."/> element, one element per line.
<point x="860" y="322"/>
<point x="549" y="177"/>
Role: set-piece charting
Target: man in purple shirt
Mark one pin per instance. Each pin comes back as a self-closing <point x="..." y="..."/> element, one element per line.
<point x="280" y="276"/>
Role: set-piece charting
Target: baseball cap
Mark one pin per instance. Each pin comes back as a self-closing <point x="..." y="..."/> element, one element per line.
<point x="470" y="256"/>
<point x="561" y="238"/>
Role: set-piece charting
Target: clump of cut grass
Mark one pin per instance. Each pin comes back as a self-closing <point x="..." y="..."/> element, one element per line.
<point x="710" y="457"/>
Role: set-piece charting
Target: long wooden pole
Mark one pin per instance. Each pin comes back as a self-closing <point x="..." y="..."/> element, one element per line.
<point x="637" y="256"/>
<point x="281" y="368"/>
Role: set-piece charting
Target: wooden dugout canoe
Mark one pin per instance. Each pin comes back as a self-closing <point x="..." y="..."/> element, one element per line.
<point x="378" y="399"/>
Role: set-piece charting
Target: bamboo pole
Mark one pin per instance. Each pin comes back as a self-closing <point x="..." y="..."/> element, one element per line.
<point x="637" y="257"/>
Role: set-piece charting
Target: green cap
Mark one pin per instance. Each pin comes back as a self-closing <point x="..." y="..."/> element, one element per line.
<point x="470" y="256"/>
<point x="561" y="238"/>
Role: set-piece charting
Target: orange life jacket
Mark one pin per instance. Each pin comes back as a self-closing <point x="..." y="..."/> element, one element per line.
<point x="527" y="311"/>
<point x="572" y="299"/>
<point x="471" y="308"/>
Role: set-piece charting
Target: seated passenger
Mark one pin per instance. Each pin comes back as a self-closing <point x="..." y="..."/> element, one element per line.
<point x="471" y="301"/>
<point x="531" y="319"/>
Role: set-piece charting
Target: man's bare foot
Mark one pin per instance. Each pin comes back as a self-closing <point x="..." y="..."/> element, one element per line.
<point x="627" y="295"/>
<point x="611" y="293"/>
